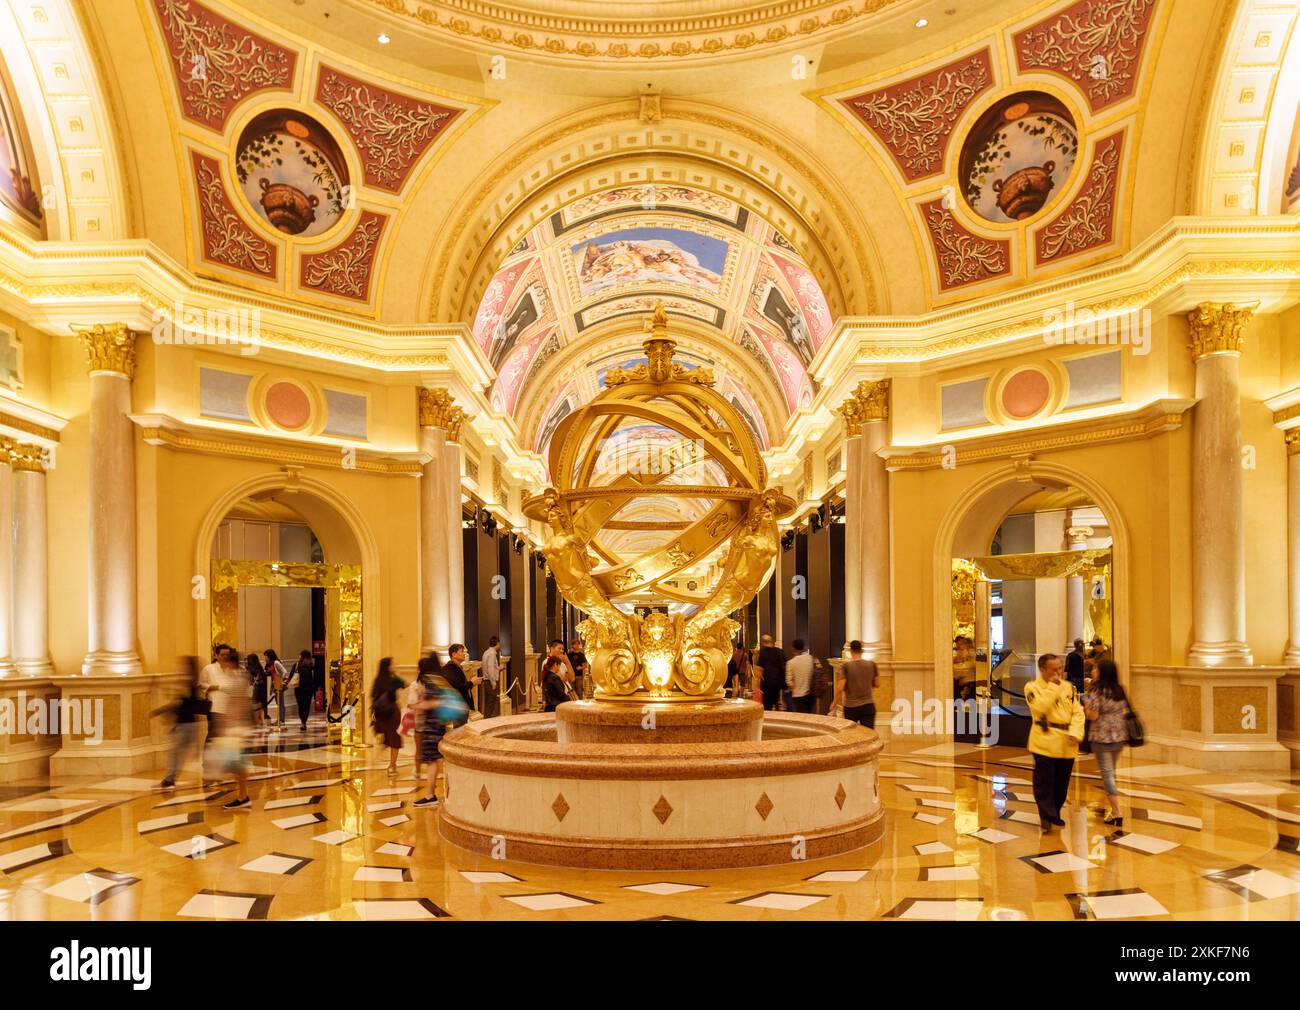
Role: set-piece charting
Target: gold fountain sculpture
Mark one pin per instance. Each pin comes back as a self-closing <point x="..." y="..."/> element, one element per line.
<point x="637" y="651"/>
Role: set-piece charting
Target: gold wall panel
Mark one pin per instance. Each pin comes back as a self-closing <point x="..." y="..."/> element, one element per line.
<point x="111" y="727"/>
<point x="140" y="709"/>
<point x="1189" y="706"/>
<point x="1286" y="708"/>
<point x="1228" y="704"/>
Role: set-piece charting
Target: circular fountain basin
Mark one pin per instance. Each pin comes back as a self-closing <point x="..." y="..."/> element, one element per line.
<point x="532" y="789"/>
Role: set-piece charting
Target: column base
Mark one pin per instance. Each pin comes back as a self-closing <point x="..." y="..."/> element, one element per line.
<point x="1216" y="654"/>
<point x="111" y="664"/>
<point x="109" y="729"/>
<point x="34" y="667"/>
<point x="1292" y="655"/>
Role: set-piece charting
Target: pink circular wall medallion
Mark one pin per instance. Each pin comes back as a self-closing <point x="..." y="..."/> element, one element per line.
<point x="287" y="405"/>
<point x="1025" y="393"/>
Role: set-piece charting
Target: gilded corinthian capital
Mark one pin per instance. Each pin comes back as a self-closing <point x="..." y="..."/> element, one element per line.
<point x="110" y="347"/>
<point x="1218" y="328"/>
<point x="29" y="458"/>
<point x="869" y="402"/>
<point x="437" y="410"/>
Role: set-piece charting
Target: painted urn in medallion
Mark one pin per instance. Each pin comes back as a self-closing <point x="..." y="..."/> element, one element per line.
<point x="287" y="207"/>
<point x="1023" y="193"/>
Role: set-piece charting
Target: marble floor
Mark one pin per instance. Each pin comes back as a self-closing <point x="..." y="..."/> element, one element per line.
<point x="331" y="836"/>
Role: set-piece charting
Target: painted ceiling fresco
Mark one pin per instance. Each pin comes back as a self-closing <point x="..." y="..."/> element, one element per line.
<point x="614" y="255"/>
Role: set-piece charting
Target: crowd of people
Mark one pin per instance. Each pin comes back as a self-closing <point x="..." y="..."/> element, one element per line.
<point x="1076" y="700"/>
<point x="232" y="695"/>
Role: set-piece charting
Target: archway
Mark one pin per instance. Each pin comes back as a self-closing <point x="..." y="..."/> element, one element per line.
<point x="974" y="523"/>
<point x="345" y="564"/>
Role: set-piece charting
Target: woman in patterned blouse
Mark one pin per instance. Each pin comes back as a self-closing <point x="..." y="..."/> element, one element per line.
<point x="1106" y="706"/>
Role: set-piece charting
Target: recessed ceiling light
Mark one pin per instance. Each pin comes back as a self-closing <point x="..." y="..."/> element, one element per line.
<point x="383" y="39"/>
<point x="921" y="22"/>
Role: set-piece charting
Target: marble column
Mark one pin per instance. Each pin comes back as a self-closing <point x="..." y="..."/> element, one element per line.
<point x="1292" y="657"/>
<point x="1075" y="592"/>
<point x="111" y="580"/>
<point x="31" y="622"/>
<point x="442" y="606"/>
<point x="866" y="530"/>
<point x="1218" y="528"/>
<point x="7" y="451"/>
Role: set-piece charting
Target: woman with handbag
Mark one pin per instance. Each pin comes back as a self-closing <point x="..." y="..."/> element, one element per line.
<point x="279" y="681"/>
<point x="384" y="713"/>
<point x="1106" y="706"/>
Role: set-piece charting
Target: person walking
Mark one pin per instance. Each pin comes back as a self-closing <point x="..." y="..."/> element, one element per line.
<point x="738" y="672"/>
<point x="1054" y="737"/>
<point x="446" y="705"/>
<point x="799" y="677"/>
<point x="490" y="669"/>
<point x="257" y="677"/>
<point x="385" y="716"/>
<point x="771" y="666"/>
<point x="230" y="703"/>
<point x="1106" y="707"/>
<point x="304" y="686"/>
<point x="279" y="681"/>
<point x="855" y="688"/>
<point x="186" y="712"/>
<point x="1074" y="666"/>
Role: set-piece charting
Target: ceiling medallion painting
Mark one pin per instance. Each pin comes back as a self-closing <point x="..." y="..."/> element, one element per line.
<point x="217" y="63"/>
<point x="1097" y="44"/>
<point x="19" y="186"/>
<point x="1017" y="156"/>
<point x="391" y="131"/>
<point x="664" y="255"/>
<point x="292" y="173"/>
<point x="227" y="240"/>
<point x="914" y="118"/>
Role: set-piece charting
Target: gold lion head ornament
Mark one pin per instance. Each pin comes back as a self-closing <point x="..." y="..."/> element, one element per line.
<point x="658" y="441"/>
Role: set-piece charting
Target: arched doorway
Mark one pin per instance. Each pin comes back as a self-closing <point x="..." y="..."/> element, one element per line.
<point x="1033" y="557"/>
<point x="287" y="557"/>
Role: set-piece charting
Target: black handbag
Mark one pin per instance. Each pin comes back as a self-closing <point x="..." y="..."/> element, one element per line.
<point x="1137" y="735"/>
<point x="1085" y="745"/>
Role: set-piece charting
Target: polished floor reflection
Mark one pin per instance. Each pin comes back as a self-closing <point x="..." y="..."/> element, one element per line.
<point x="331" y="836"/>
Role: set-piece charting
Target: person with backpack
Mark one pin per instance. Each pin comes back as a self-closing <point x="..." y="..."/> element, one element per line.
<point x="1107" y="709"/>
<point x="445" y="707"/>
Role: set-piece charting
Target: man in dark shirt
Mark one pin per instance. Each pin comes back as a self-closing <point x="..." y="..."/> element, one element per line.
<point x="771" y="661"/>
<point x="581" y="668"/>
<point x="1074" y="666"/>
<point x="455" y="675"/>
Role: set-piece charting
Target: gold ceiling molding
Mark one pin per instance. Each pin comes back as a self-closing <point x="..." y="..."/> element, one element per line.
<point x="1219" y="328"/>
<point x="280" y="453"/>
<point x="15" y="423"/>
<point x="1153" y="419"/>
<point x="507" y="212"/>
<point x="714" y="30"/>
<point x="869" y="402"/>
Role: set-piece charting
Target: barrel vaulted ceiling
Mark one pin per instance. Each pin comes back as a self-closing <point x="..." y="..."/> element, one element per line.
<point x="543" y="173"/>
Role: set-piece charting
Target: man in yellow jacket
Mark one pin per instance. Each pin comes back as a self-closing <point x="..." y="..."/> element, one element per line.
<point x="1054" y="738"/>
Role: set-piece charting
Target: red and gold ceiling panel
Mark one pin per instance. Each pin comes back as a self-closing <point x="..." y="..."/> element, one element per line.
<point x="914" y="118"/>
<point x="1089" y="222"/>
<point x="227" y="240"/>
<point x="346" y="269"/>
<point x="1097" y="44"/>
<point x="217" y="63"/>
<point x="961" y="256"/>
<point x="391" y="130"/>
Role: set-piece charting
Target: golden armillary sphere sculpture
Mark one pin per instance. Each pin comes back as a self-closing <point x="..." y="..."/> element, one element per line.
<point x="651" y="631"/>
